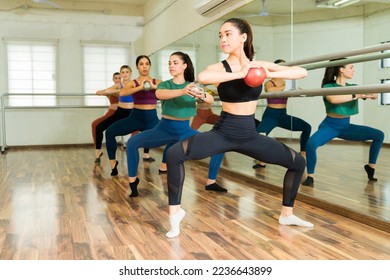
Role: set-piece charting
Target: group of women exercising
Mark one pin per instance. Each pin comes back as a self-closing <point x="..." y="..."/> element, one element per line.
<point x="233" y="130"/>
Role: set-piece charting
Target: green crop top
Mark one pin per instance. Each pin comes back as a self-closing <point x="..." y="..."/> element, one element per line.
<point x="345" y="109"/>
<point x="180" y="107"/>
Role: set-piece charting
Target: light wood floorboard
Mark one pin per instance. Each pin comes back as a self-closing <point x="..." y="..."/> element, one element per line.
<point x="56" y="204"/>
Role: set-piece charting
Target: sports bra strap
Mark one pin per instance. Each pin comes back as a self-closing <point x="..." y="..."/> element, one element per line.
<point x="227" y="66"/>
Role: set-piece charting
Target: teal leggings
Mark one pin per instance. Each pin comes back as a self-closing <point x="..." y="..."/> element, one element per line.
<point x="341" y="128"/>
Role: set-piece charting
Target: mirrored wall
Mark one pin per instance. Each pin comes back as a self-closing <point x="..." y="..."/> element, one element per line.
<point x="296" y="30"/>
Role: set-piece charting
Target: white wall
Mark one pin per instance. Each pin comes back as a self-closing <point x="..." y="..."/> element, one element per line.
<point x="165" y="25"/>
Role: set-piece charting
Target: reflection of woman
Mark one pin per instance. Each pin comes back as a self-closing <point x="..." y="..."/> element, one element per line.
<point x="339" y="109"/>
<point x="204" y="113"/>
<point x="144" y="114"/>
<point x="113" y="98"/>
<point x="178" y="104"/>
<point x="235" y="130"/>
<point x="125" y="105"/>
<point x="275" y="115"/>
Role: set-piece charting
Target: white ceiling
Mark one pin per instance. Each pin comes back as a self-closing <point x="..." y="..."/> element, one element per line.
<point x="304" y="10"/>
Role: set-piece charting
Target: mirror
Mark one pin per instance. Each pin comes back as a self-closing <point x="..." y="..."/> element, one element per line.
<point x="293" y="30"/>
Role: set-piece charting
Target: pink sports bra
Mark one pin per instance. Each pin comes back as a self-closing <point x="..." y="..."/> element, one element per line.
<point x="145" y="97"/>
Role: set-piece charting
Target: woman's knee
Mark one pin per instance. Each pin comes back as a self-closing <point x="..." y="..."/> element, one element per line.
<point x="175" y="150"/>
<point x="110" y="133"/>
<point x="311" y="146"/>
<point x="380" y="136"/>
<point x="299" y="162"/>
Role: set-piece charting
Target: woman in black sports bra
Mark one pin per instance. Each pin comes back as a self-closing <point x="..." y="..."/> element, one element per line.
<point x="235" y="129"/>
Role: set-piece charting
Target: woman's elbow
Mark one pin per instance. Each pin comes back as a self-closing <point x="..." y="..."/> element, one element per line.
<point x="302" y="73"/>
<point x="158" y="95"/>
<point x="202" y="78"/>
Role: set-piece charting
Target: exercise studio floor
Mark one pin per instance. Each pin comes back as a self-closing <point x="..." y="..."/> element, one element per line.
<point x="56" y="204"/>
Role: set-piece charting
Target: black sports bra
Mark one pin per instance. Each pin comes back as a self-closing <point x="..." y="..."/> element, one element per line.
<point x="236" y="91"/>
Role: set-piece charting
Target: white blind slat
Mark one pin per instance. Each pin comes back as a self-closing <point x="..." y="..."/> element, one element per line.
<point x="100" y="63"/>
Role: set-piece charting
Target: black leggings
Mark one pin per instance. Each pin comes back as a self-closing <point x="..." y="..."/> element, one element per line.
<point x="119" y="114"/>
<point x="238" y="134"/>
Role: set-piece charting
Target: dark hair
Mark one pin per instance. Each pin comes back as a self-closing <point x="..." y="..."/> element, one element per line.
<point x="331" y="73"/>
<point x="189" y="72"/>
<point x="142" y="56"/>
<point x="244" y="27"/>
<point x="116" y="73"/>
<point x="278" y="61"/>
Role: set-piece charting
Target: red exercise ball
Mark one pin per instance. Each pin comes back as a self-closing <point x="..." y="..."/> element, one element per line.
<point x="255" y="77"/>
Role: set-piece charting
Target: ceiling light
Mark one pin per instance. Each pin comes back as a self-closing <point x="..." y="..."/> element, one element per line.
<point x="334" y="3"/>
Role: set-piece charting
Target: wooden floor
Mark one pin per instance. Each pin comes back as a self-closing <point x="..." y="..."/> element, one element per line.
<point x="55" y="204"/>
<point x="341" y="185"/>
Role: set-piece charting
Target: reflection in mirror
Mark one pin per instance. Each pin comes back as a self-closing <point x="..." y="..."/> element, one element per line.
<point x="295" y="30"/>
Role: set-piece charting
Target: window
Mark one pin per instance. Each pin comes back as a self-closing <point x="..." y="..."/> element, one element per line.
<point x="385" y="97"/>
<point x="100" y="62"/>
<point x="31" y="70"/>
<point x="164" y="59"/>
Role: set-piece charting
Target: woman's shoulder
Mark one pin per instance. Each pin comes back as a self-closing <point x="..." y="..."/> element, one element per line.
<point x="167" y="84"/>
<point x="329" y="85"/>
<point x="216" y="66"/>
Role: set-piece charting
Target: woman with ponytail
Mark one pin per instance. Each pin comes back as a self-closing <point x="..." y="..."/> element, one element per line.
<point x="339" y="109"/>
<point x="235" y="129"/>
<point x="178" y="104"/>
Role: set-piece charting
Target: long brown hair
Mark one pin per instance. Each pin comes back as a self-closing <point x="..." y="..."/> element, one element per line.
<point x="244" y="27"/>
<point x="331" y="73"/>
<point x="189" y="72"/>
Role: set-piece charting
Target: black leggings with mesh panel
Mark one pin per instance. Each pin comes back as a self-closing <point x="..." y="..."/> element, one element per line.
<point x="234" y="133"/>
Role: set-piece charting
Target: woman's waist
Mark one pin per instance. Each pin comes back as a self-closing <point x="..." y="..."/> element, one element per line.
<point x="203" y="106"/>
<point x="277" y="101"/>
<point x="113" y="106"/>
<point x="145" y="106"/>
<point x="126" y="105"/>
<point x="337" y="116"/>
<point x="277" y="106"/>
<point x="174" y="118"/>
<point x="240" y="109"/>
<point x="236" y="126"/>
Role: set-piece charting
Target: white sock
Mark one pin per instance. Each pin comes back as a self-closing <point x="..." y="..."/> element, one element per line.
<point x="174" y="221"/>
<point x="293" y="220"/>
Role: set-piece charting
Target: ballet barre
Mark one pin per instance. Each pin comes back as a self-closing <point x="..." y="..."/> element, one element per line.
<point x="348" y="60"/>
<point x="328" y="91"/>
<point x="337" y="55"/>
<point x="5" y="107"/>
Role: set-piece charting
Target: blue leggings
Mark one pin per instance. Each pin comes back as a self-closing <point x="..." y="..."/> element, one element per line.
<point x="278" y="118"/>
<point x="138" y="120"/>
<point x="341" y="128"/>
<point x="166" y="132"/>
